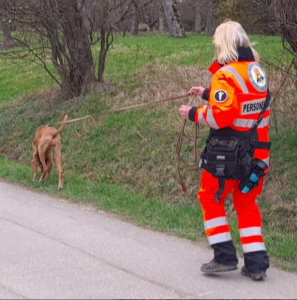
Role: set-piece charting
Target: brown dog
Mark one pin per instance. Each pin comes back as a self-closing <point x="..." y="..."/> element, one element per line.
<point x="46" y="139"/>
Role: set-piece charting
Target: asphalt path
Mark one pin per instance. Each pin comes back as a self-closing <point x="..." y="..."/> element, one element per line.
<point x="54" y="249"/>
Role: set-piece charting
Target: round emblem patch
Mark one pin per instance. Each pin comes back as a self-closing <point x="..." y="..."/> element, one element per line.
<point x="220" y="96"/>
<point x="257" y="77"/>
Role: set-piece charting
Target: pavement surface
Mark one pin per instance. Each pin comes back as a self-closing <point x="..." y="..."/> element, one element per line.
<point x="54" y="249"/>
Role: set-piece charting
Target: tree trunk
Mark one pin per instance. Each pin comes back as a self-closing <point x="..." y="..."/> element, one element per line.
<point x="88" y="15"/>
<point x="197" y="27"/>
<point x="286" y="19"/>
<point x="102" y="56"/>
<point x="161" y="26"/>
<point x="210" y="23"/>
<point x="76" y="68"/>
<point x="106" y="41"/>
<point x="135" y="19"/>
<point x="8" y="39"/>
<point x="173" y="21"/>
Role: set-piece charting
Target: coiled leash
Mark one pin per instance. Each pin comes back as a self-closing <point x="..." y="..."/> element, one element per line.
<point x="183" y="136"/>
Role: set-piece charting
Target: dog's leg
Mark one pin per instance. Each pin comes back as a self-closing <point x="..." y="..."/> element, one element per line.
<point x="57" y="154"/>
<point x="34" y="167"/>
<point x="42" y="153"/>
<point x="44" y="168"/>
<point x="34" y="162"/>
<point x="49" y="163"/>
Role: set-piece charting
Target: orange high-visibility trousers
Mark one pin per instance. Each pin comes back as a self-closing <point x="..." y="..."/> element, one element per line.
<point x="215" y="219"/>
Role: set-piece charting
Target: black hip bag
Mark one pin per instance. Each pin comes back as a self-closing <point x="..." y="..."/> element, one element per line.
<point x="229" y="154"/>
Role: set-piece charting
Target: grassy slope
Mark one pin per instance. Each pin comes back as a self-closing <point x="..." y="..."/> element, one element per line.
<point x="125" y="163"/>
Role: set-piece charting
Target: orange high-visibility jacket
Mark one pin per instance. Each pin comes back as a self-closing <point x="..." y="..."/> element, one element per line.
<point x="236" y="98"/>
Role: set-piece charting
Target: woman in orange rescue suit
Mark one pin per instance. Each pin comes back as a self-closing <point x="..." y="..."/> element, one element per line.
<point x="236" y="98"/>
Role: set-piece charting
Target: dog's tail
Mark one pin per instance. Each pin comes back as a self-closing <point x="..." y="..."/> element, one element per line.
<point x="62" y="126"/>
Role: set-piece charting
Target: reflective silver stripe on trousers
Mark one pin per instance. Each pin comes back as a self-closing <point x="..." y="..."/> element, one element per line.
<point x="266" y="160"/>
<point x="219" y="238"/>
<point x="215" y="222"/>
<point x="201" y="119"/>
<point x="250" y="231"/>
<point x="210" y="119"/>
<point x="237" y="76"/>
<point x="252" y="247"/>
<point x="248" y="123"/>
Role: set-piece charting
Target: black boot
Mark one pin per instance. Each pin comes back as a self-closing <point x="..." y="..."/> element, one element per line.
<point x="224" y="260"/>
<point x="256" y="264"/>
<point x="261" y="274"/>
<point x="215" y="267"/>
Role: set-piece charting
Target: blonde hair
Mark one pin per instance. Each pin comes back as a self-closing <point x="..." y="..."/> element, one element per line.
<point x="227" y="38"/>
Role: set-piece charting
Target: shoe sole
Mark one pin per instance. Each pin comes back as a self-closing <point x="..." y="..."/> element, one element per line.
<point x="255" y="277"/>
<point x="225" y="269"/>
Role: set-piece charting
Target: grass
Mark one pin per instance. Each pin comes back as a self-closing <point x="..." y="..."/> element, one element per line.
<point x="125" y="162"/>
<point x="182" y="219"/>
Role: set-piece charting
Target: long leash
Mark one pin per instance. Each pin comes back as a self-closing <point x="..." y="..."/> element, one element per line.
<point x="182" y="136"/>
<point x="121" y="109"/>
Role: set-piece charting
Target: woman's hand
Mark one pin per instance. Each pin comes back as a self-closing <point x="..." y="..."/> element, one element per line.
<point x="196" y="91"/>
<point x="184" y="111"/>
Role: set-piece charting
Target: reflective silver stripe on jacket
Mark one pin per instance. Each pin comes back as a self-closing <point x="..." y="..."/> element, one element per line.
<point x="219" y="238"/>
<point x="210" y="119"/>
<point x="215" y="222"/>
<point x="252" y="247"/>
<point x="248" y="123"/>
<point x="201" y="119"/>
<point x="238" y="78"/>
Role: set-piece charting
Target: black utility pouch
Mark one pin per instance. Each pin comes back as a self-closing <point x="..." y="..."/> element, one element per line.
<point x="220" y="156"/>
